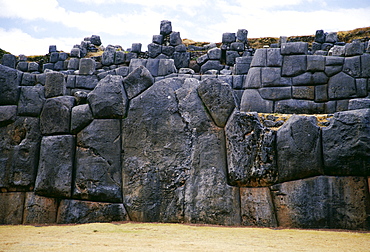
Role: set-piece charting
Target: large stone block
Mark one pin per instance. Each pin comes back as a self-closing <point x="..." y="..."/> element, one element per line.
<point x="55" y="84"/>
<point x="182" y="59"/>
<point x="242" y="36"/>
<point x="346" y="144"/>
<point x="87" y="66"/>
<point x="322" y="202"/>
<point x="86" y="81"/>
<point x="352" y="66"/>
<point x="365" y="65"/>
<point x="303" y="92"/>
<point x="257" y="208"/>
<point x="253" y="102"/>
<point x="294" y="65"/>
<point x="228" y="38"/>
<point x="294" y="48"/>
<point x="353" y="49"/>
<point x="211" y="65"/>
<point x="98" y="167"/>
<point x="152" y="65"/>
<point x="28" y="79"/>
<point x="276" y="93"/>
<point x="7" y="114"/>
<point x="299" y="148"/>
<point x="166" y="27"/>
<point x="271" y="77"/>
<point x="259" y="58"/>
<point x="81" y="117"/>
<point x="55" y="116"/>
<point x="108" y="99"/>
<point x="10" y="79"/>
<point x="107" y="57"/>
<point x="137" y="81"/>
<point x="315" y="63"/>
<point x="354" y="104"/>
<point x="250" y="151"/>
<point x="54" y="175"/>
<point x="154" y="50"/>
<point x="166" y="67"/>
<point x="253" y="79"/>
<point x="274" y="58"/>
<point x="230" y="57"/>
<point x="218" y="97"/>
<point x="39" y="210"/>
<point x="341" y="86"/>
<point x="75" y="211"/>
<point x="175" y="39"/>
<point x="120" y="57"/>
<point x="11" y="208"/>
<point x="135" y="63"/>
<point x="9" y="60"/>
<point x="214" y="54"/>
<point x="293" y="106"/>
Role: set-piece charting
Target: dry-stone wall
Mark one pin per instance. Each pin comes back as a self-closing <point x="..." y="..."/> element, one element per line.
<point x="155" y="140"/>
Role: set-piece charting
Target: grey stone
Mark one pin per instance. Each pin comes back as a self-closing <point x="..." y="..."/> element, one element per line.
<point x="166" y="67"/>
<point x="137" y="81"/>
<point x="294" y="65"/>
<point x="136" y="48"/>
<point x="107" y="58"/>
<point x="271" y="77"/>
<point x="59" y="66"/>
<point x="62" y="56"/>
<point x="365" y="65"/>
<point x="244" y="60"/>
<point x="95" y="40"/>
<point x="55" y="115"/>
<point x="180" y="48"/>
<point x="332" y="70"/>
<point x="33" y="67"/>
<point x="316" y="46"/>
<point x="320" y="36"/>
<point x="242" y="36"/>
<point x="259" y="58"/>
<point x="228" y="38"/>
<point x="47" y="66"/>
<point x="241" y="68"/>
<point x="10" y="79"/>
<point x="322" y="202"/>
<point x="185" y="70"/>
<point x="253" y="79"/>
<point x="98" y="167"/>
<point x="342" y="105"/>
<point x="108" y="99"/>
<point x="294" y="48"/>
<point x="158" y="39"/>
<point x="120" y="57"/>
<point x="293" y="106"/>
<point x="182" y="59"/>
<point x="175" y="39"/>
<point x="166" y="27"/>
<point x="359" y="104"/>
<point x="9" y="60"/>
<point x="361" y="87"/>
<point x="353" y="49"/>
<point x="257" y="208"/>
<point x="11" y="209"/>
<point x="250" y="150"/>
<point x="152" y="65"/>
<point x="86" y="81"/>
<point x="231" y="57"/>
<point x="162" y="56"/>
<point x="22" y="66"/>
<point x="331" y="37"/>
<point x="76" y="211"/>
<point x="236" y="82"/>
<point x="346" y="144"/>
<point x="214" y="54"/>
<point x="54" y="175"/>
<point x="154" y="50"/>
<point x="28" y="79"/>
<point x="202" y="59"/>
<point x="298" y="147"/>
<point x="55" y="84"/>
<point x="39" y="210"/>
<point x="341" y="86"/>
<point x="321" y="93"/>
<point x="122" y="71"/>
<point x="168" y="50"/>
<point x="211" y="65"/>
<point x="218" y="97"/>
<point x="303" y="92"/>
<point x="337" y="50"/>
<point x="276" y="93"/>
<point x="7" y="114"/>
<point x="73" y="64"/>
<point x="75" y="52"/>
<point x="253" y="102"/>
<point x="225" y="72"/>
<point x="319" y="78"/>
<point x="41" y="78"/>
<point x="54" y="57"/>
<point x="52" y="48"/>
<point x="315" y="63"/>
<point x="71" y="81"/>
<point x="87" y="66"/>
<point x="130" y="56"/>
<point x="135" y="63"/>
<point x="352" y="66"/>
<point x="81" y="116"/>
<point x="31" y="100"/>
<point x="274" y="58"/>
<point x="237" y="46"/>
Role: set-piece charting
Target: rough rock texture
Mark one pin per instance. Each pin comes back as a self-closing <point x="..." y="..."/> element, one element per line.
<point x="31" y="100"/>
<point x="11" y="208"/>
<point x="75" y="211"/>
<point x="39" y="210"/>
<point x="54" y="175"/>
<point x="98" y="159"/>
<point x="346" y="143"/>
<point x="218" y="98"/>
<point x="250" y="147"/>
<point x="325" y="202"/>
<point x="137" y="81"/>
<point x="108" y="99"/>
<point x="81" y="117"/>
<point x="55" y="84"/>
<point x="10" y="79"/>
<point x="299" y="148"/>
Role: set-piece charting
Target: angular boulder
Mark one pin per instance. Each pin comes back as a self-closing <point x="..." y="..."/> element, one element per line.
<point x="137" y="81"/>
<point x="10" y="79"/>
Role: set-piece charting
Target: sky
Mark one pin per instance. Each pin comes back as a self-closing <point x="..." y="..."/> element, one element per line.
<point x="29" y="27"/>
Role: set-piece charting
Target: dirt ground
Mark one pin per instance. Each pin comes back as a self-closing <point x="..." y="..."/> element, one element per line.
<point x="131" y="236"/>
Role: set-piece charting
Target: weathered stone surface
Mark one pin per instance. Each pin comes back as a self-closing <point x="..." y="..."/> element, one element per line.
<point x="293" y="106"/>
<point x="271" y="77"/>
<point x="154" y="50"/>
<point x="175" y="39"/>
<point x="276" y="93"/>
<point x="365" y="65"/>
<point x="137" y="81"/>
<point x="352" y="66"/>
<point x="253" y="102"/>
<point x="241" y="69"/>
<point x="9" y="60"/>
<point x="158" y="39"/>
<point x="214" y="54"/>
<point x="54" y="175"/>
<point x="361" y="87"/>
<point x="315" y="63"/>
<point x="152" y="65"/>
<point x="353" y="49"/>
<point x="242" y="36"/>
<point x="346" y="143"/>
<point x="11" y="208"/>
<point x="274" y="58"/>
<point x="294" y="65"/>
<point x="320" y="36"/>
<point x="120" y="57"/>
<point x="7" y="114"/>
<point x="218" y="98"/>
<point x="230" y="57"/>
<point x="211" y="65"/>
<point x="299" y="149"/>
<point x="250" y="151"/>
<point x="86" y="82"/>
<point x="55" y="84"/>
<point x="55" y="117"/>
<point x="253" y="79"/>
<point x="75" y="211"/>
<point x="28" y="79"/>
<point x="87" y="66"/>
<point x="322" y="202"/>
<point x="10" y="79"/>
<point x="303" y="92"/>
<point x="257" y="208"/>
<point x="358" y="104"/>
<point x="182" y="59"/>
<point x="107" y="58"/>
<point x="39" y="210"/>
<point x="321" y="94"/>
<point x="73" y="64"/>
<point x="331" y="37"/>
<point x="228" y="37"/>
<point x="332" y="70"/>
<point x="294" y="48"/>
<point x="237" y="46"/>
<point x="135" y="47"/>
<point x="81" y="117"/>
<point x="98" y="171"/>
<point x="108" y="99"/>
<point x="166" y="67"/>
<point x="166" y="27"/>
<point x="259" y="58"/>
<point x="341" y="86"/>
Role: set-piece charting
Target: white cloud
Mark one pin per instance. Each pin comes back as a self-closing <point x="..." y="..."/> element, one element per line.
<point x="23" y="43"/>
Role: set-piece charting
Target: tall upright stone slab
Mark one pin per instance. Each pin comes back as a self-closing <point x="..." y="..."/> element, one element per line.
<point x="55" y="84"/>
<point x="10" y="79"/>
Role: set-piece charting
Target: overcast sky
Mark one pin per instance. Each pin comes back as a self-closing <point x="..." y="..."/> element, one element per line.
<point x="30" y="26"/>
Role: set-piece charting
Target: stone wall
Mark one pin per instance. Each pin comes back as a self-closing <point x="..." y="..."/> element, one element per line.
<point x="150" y="142"/>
